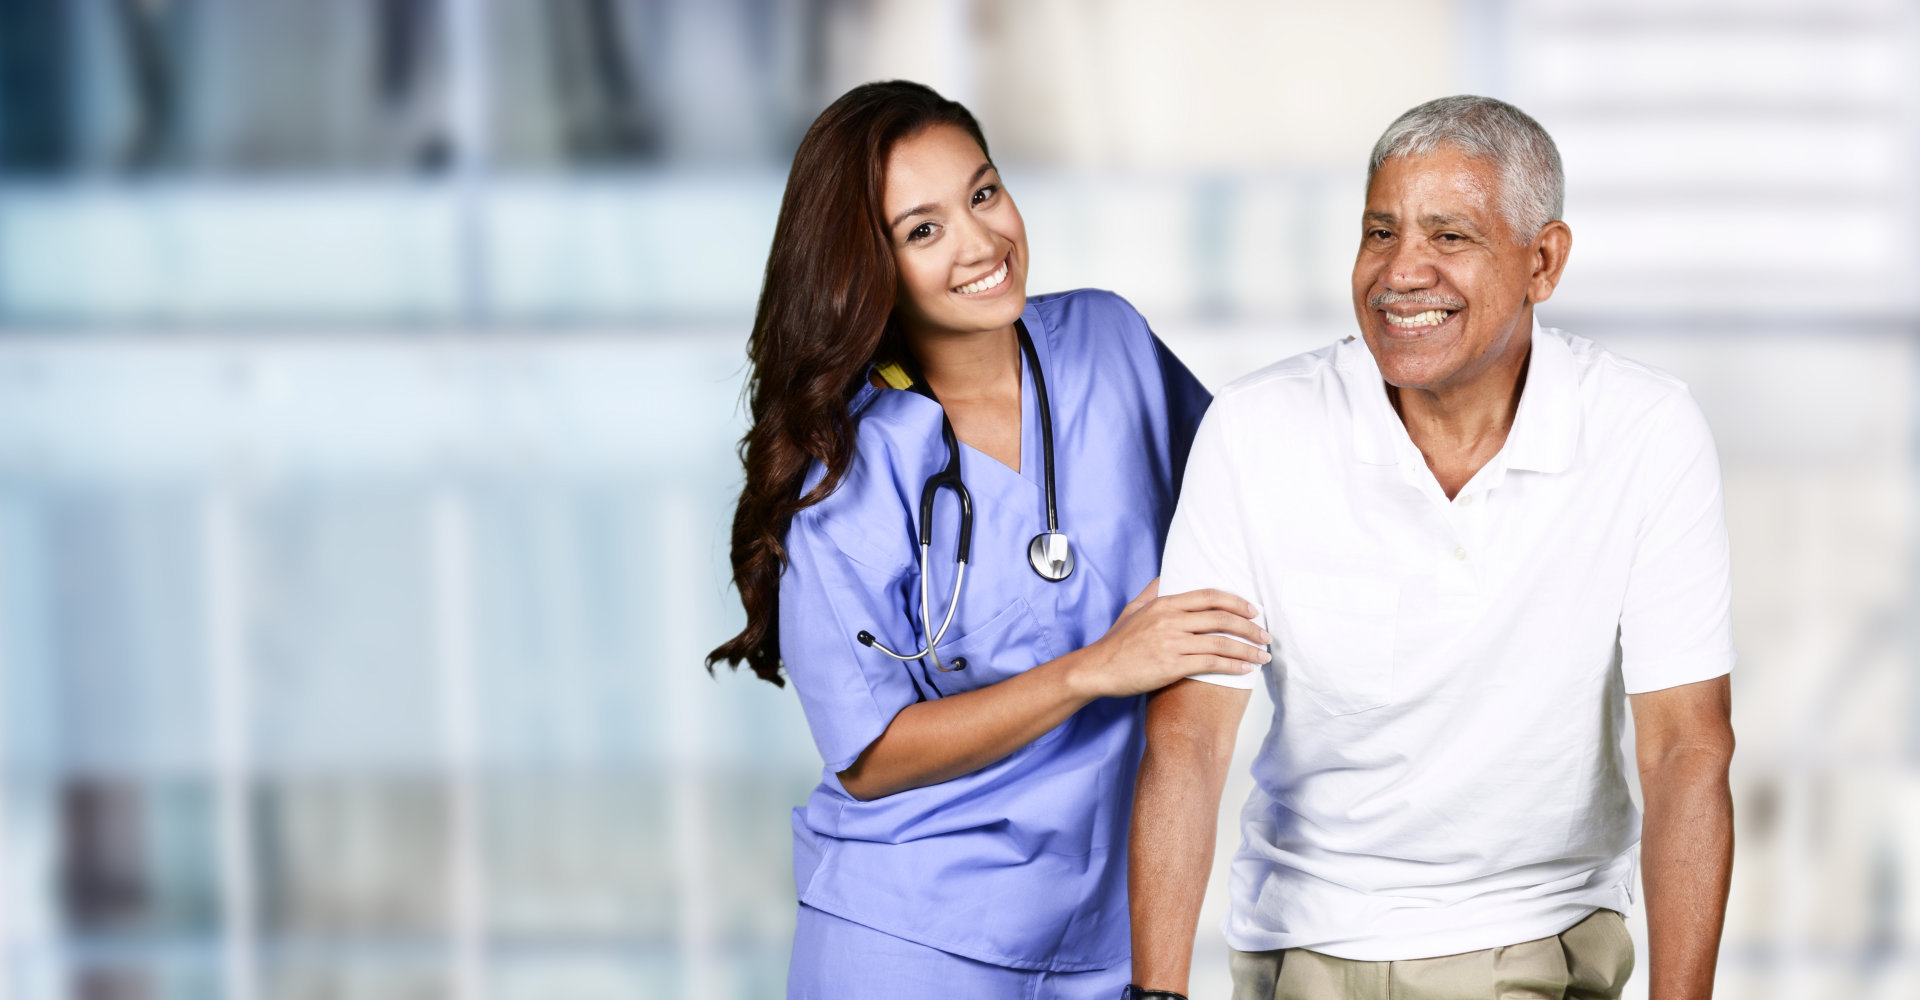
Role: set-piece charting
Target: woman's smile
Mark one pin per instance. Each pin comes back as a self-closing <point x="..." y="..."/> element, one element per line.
<point x="988" y="284"/>
<point x="959" y="244"/>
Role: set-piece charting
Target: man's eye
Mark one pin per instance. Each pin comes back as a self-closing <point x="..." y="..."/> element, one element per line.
<point x="920" y="232"/>
<point x="982" y="195"/>
<point x="1450" y="237"/>
<point x="1379" y="234"/>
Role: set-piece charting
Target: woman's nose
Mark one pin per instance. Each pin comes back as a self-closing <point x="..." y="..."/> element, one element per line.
<point x="977" y="241"/>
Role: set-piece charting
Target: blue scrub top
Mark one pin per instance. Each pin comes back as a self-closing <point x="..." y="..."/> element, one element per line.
<point x="1022" y="863"/>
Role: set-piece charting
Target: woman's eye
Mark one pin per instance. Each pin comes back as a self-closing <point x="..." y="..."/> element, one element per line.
<point x="981" y="196"/>
<point x="920" y="232"/>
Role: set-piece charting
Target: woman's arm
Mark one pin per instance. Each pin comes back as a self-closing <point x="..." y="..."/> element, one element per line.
<point x="1155" y="642"/>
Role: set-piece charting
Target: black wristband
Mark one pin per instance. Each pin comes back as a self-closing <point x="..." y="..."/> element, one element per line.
<point x="1136" y="993"/>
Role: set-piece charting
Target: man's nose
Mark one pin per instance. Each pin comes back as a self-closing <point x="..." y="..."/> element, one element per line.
<point x="1410" y="266"/>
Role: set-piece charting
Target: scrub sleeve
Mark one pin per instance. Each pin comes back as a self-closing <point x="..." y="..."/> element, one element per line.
<point x="826" y="598"/>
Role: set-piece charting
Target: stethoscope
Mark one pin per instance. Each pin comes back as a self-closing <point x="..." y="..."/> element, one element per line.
<point x="1050" y="553"/>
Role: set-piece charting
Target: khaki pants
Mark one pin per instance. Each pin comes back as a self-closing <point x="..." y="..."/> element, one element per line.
<point x="1588" y="961"/>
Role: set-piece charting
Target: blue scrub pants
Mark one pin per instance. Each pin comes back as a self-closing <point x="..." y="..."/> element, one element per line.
<point x="837" y="959"/>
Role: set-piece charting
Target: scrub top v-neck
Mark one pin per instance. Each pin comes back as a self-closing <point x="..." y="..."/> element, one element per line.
<point x="1022" y="863"/>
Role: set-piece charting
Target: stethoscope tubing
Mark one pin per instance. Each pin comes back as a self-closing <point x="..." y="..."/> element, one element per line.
<point x="1042" y="397"/>
<point x="926" y="621"/>
<point x="950" y="477"/>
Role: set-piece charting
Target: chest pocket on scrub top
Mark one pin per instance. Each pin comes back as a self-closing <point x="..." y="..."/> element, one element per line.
<point x="1337" y="639"/>
<point x="1009" y="643"/>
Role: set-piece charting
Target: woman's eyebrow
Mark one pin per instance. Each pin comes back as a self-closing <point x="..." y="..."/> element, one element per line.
<point x="910" y="213"/>
<point x="978" y="173"/>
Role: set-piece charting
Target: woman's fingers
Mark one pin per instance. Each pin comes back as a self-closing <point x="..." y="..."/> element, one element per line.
<point x="1234" y="649"/>
<point x="1223" y="665"/>
<point x="1230" y="623"/>
<point x="1213" y="600"/>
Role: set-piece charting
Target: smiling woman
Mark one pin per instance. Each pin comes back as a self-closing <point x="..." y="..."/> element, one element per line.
<point x="968" y="835"/>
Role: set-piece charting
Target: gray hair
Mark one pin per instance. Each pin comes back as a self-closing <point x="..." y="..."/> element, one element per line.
<point x="1533" y="188"/>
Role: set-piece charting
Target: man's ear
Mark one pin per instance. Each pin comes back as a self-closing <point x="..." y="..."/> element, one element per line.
<point x="1548" y="254"/>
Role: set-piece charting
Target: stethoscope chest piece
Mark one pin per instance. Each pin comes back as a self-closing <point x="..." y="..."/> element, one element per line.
<point x="1051" y="556"/>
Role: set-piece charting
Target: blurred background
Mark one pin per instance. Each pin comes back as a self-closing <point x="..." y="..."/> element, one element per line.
<point x="370" y="369"/>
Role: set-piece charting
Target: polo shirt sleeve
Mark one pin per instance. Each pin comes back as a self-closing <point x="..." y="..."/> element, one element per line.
<point x="849" y="692"/>
<point x="1207" y="545"/>
<point x="1675" y="622"/>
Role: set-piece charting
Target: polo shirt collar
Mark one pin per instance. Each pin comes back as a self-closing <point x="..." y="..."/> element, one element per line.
<point x="1546" y="427"/>
<point x="1375" y="425"/>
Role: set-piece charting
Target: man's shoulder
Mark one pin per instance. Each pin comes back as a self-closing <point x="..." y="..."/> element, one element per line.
<point x="1614" y="384"/>
<point x="1298" y="382"/>
<point x="1637" y="410"/>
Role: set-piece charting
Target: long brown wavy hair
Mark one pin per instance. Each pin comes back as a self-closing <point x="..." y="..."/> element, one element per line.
<point x="825" y="315"/>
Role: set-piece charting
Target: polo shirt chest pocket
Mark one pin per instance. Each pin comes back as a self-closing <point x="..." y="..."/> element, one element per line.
<point x="1338" y="638"/>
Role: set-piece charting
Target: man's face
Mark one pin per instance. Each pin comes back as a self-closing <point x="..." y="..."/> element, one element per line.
<point x="1442" y="290"/>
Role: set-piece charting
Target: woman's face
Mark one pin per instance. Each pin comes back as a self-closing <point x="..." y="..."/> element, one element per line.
<point x="959" y="245"/>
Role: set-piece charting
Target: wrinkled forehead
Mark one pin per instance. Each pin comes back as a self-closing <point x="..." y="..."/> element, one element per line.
<point x="1444" y="179"/>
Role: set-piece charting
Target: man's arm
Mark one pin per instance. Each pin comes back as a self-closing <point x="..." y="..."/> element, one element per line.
<point x="1191" y="728"/>
<point x="1684" y="742"/>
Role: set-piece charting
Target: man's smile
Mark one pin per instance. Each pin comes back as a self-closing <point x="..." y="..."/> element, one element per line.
<point x="1419" y="322"/>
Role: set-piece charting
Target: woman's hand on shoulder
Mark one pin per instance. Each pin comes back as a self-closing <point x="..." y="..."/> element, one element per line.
<point x="1158" y="640"/>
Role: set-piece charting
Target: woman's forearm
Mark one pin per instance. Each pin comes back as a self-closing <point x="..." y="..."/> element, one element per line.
<point x="934" y="741"/>
<point x="1155" y="642"/>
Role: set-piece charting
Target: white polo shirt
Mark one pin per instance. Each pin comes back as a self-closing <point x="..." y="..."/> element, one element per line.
<point x="1444" y="771"/>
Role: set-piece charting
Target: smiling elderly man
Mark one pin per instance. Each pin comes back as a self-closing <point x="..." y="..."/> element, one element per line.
<point x="1475" y="541"/>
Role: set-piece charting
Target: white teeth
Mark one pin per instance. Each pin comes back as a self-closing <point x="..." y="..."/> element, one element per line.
<point x="990" y="281"/>
<point x="1432" y="317"/>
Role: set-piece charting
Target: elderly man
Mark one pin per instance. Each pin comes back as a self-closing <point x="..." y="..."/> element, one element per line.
<point x="1475" y="541"/>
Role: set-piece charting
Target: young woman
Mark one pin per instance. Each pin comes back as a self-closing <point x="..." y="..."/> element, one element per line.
<point x="951" y="491"/>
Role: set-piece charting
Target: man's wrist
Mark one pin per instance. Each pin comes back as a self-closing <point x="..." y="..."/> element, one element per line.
<point x="1134" y="992"/>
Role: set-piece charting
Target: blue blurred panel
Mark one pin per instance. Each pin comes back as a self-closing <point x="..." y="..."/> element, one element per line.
<point x="185" y="253"/>
<point x="663" y="247"/>
<point x="340" y="628"/>
<point x="103" y="665"/>
<point x="562" y="622"/>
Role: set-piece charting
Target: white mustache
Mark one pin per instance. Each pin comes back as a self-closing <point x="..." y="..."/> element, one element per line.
<point x="1431" y="301"/>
